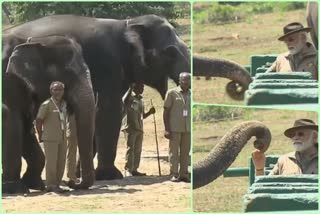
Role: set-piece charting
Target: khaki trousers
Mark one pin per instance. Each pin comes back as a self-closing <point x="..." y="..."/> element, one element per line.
<point x="72" y="146"/>
<point x="179" y="143"/>
<point x="55" y="153"/>
<point x="134" y="148"/>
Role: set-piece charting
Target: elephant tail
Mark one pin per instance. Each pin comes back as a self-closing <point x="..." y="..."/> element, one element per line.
<point x="225" y="69"/>
<point x="226" y="151"/>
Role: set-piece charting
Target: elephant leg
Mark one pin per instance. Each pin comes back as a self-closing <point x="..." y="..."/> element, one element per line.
<point x="78" y="171"/>
<point x="35" y="159"/>
<point x="11" y="157"/>
<point x="108" y="122"/>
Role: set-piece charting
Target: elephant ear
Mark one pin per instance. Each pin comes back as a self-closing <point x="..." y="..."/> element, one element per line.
<point x="134" y="38"/>
<point x="54" y="49"/>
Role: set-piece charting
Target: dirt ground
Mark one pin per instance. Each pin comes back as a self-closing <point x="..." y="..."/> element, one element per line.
<point x="140" y="194"/>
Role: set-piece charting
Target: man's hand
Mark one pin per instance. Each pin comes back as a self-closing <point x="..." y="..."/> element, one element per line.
<point x="259" y="161"/>
<point x="152" y="110"/>
<point x="167" y="134"/>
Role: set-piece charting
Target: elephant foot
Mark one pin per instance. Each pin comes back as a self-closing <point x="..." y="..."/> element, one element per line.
<point x="108" y="174"/>
<point x="14" y="187"/>
<point x="86" y="182"/>
<point x="34" y="183"/>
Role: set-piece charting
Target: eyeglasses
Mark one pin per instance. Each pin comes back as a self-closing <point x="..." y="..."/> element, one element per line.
<point x="299" y="134"/>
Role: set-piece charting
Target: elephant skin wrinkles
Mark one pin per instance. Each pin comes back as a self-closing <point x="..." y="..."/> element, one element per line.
<point x="226" y="151"/>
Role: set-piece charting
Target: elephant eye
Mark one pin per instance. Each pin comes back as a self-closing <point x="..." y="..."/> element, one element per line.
<point x="27" y="65"/>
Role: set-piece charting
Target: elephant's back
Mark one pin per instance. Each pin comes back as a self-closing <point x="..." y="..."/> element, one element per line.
<point x="71" y="25"/>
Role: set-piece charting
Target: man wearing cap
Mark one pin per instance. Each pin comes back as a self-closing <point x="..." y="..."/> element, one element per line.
<point x="301" y="55"/>
<point x="176" y="116"/>
<point x="304" y="160"/>
<point x="133" y="127"/>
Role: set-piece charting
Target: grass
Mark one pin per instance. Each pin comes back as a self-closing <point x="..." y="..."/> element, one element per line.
<point x="257" y="35"/>
<point x="225" y="194"/>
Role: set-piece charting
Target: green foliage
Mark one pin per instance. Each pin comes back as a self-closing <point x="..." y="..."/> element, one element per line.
<point x="27" y="11"/>
<point x="219" y="14"/>
<point x="212" y="113"/>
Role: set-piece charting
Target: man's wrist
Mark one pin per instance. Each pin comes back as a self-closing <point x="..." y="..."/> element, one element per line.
<point x="262" y="169"/>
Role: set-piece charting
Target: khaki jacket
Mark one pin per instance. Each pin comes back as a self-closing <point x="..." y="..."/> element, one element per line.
<point x="54" y="129"/>
<point x="179" y="106"/>
<point x="134" y="109"/>
<point x="291" y="164"/>
<point x="305" y="61"/>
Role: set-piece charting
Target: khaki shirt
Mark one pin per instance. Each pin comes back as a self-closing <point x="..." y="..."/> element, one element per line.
<point x="134" y="109"/>
<point x="71" y="131"/>
<point x="52" y="125"/>
<point x="179" y="106"/>
<point x="291" y="164"/>
<point x="305" y="61"/>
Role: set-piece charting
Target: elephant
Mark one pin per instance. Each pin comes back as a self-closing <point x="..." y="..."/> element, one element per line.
<point x="225" y="152"/>
<point x="32" y="67"/>
<point x="312" y="20"/>
<point x="118" y="53"/>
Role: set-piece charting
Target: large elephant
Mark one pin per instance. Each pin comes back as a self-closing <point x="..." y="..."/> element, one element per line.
<point x="225" y="152"/>
<point x="117" y="52"/>
<point x="31" y="68"/>
<point x="312" y="20"/>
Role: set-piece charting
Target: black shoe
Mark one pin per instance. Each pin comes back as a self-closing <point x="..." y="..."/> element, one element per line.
<point x="175" y="179"/>
<point x="136" y="173"/>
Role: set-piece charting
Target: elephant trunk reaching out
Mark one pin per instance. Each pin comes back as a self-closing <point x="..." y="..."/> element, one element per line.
<point x="226" y="69"/>
<point x="225" y="152"/>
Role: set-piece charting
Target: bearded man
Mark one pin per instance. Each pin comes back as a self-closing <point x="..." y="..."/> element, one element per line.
<point x="301" y="55"/>
<point x="304" y="160"/>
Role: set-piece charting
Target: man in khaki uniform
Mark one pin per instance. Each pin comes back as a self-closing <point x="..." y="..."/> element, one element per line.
<point x="51" y="128"/>
<point x="177" y="122"/>
<point x="133" y="127"/>
<point x="72" y="146"/>
<point x="301" y="55"/>
<point x="304" y="136"/>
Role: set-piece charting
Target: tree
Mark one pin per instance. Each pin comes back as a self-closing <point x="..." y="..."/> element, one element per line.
<point x="27" y="11"/>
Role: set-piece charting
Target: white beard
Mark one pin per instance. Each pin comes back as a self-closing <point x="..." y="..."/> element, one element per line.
<point x="302" y="146"/>
<point x="296" y="49"/>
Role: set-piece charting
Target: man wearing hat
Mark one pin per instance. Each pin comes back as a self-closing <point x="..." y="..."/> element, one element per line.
<point x="301" y="55"/>
<point x="304" y="160"/>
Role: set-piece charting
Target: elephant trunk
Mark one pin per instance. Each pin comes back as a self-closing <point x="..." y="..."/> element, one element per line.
<point x="225" y="69"/>
<point x="84" y="108"/>
<point x="225" y="152"/>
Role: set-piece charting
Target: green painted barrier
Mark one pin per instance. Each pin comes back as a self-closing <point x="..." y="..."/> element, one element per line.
<point x="284" y="81"/>
<point x="284" y="75"/>
<point x="280" y="202"/>
<point x="281" y="96"/>
<point x="248" y="68"/>
<point x="287" y="179"/>
<point x="284" y="184"/>
<point x="262" y="69"/>
<point x="236" y="172"/>
<point x="291" y="85"/>
<point x="260" y="60"/>
<point x="280" y="190"/>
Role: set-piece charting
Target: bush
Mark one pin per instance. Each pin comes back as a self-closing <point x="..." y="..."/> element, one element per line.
<point x="214" y="113"/>
<point x="224" y="13"/>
